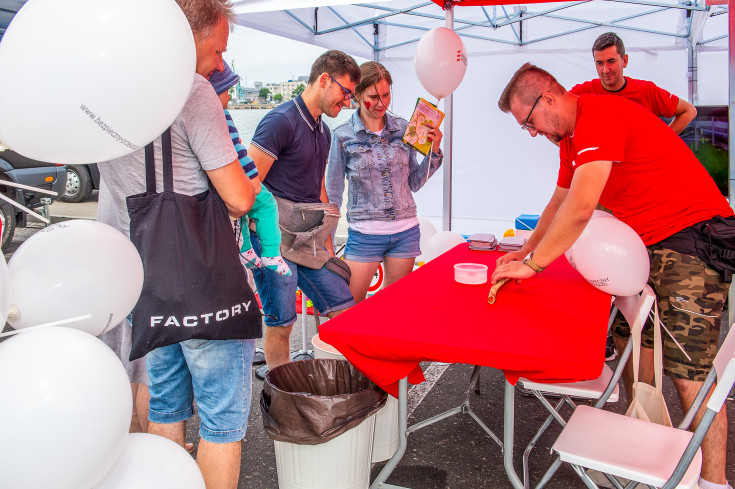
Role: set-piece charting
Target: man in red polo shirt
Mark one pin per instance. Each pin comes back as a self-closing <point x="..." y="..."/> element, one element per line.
<point x="616" y="153"/>
<point x="610" y="60"/>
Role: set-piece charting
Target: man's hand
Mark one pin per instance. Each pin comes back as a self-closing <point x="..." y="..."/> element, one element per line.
<point x="516" y="270"/>
<point x="685" y="113"/>
<point x="512" y="256"/>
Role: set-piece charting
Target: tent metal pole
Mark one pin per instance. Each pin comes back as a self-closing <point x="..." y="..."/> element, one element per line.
<point x="447" y="195"/>
<point x="731" y="136"/>
<point x="692" y="71"/>
<point x="376" y="43"/>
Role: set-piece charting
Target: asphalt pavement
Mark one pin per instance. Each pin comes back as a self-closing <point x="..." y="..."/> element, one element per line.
<point x="453" y="453"/>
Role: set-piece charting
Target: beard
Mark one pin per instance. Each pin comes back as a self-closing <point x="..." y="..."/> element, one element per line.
<point x="553" y="120"/>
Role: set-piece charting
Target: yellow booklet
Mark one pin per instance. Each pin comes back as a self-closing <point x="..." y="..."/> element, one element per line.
<point x="415" y="135"/>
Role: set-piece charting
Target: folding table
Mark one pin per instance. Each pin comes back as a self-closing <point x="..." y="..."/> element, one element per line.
<point x="550" y="328"/>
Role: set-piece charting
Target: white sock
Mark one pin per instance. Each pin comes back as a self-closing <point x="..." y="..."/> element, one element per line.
<point x="277" y="264"/>
<point x="705" y="484"/>
<point x="249" y="259"/>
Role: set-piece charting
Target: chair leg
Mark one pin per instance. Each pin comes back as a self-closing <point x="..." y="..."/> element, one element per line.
<point x="549" y="473"/>
<point x="537" y="436"/>
<point x="582" y="473"/>
<point x="475" y="381"/>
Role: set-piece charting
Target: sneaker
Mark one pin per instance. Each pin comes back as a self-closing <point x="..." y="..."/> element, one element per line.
<point x="611" y="353"/>
<point x="259" y="357"/>
<point x="261" y="372"/>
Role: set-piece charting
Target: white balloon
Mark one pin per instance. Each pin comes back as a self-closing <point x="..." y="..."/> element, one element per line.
<point x="442" y="242"/>
<point x="427" y="231"/>
<point x="108" y="75"/>
<point x="152" y="462"/>
<point x="440" y="61"/>
<point x="597" y="214"/>
<point x="66" y="409"/>
<point x="611" y="256"/>
<point x="75" y="268"/>
<point x="4" y="290"/>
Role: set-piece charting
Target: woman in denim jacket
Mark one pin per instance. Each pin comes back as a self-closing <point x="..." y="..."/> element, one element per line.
<point x="382" y="172"/>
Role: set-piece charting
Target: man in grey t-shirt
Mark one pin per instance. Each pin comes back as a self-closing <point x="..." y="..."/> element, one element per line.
<point x="215" y="373"/>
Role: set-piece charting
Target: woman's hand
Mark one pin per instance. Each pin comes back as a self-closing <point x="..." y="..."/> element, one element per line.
<point x="435" y="134"/>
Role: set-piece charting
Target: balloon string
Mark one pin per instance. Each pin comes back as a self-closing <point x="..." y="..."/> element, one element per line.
<point x="661" y="323"/>
<point x="28" y="187"/>
<point x="48" y="325"/>
<point x="431" y="148"/>
<point x="25" y="209"/>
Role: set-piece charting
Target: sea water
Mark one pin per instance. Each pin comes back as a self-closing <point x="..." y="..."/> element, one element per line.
<point x="246" y="121"/>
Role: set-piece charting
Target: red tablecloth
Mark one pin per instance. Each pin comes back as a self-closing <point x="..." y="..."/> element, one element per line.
<point x="550" y="328"/>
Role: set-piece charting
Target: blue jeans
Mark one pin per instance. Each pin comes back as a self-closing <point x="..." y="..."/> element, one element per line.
<point x="369" y="248"/>
<point x="214" y="372"/>
<point x="327" y="290"/>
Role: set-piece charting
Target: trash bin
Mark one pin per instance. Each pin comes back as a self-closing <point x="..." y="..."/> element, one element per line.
<point x="322" y="349"/>
<point x="385" y="439"/>
<point x="321" y="416"/>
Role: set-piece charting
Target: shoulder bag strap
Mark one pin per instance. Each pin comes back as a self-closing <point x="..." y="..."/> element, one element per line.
<point x="635" y="337"/>
<point x="168" y="170"/>
<point x="150" y="169"/>
<point x="658" y="363"/>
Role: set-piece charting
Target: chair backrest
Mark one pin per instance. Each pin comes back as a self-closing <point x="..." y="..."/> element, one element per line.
<point x="724" y="365"/>
<point x="636" y="306"/>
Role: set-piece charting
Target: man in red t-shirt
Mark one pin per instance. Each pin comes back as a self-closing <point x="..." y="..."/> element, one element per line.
<point x="610" y="59"/>
<point x="616" y="153"/>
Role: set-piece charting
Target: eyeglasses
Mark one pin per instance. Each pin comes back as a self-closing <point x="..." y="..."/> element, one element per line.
<point x="348" y="93"/>
<point x="525" y="124"/>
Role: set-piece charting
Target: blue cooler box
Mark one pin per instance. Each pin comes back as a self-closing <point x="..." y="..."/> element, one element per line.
<point x="527" y="222"/>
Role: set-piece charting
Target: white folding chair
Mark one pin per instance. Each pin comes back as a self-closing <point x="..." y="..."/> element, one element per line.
<point x="603" y="389"/>
<point x="641" y="451"/>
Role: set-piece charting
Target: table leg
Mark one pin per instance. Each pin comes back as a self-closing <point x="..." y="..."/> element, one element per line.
<point x="508" y="435"/>
<point x="402" y="438"/>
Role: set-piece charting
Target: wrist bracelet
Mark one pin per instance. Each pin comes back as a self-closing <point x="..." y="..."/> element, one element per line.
<point x="529" y="262"/>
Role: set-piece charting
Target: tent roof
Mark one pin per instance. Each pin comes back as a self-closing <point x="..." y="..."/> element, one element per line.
<point x="478" y="22"/>
<point x="8" y="9"/>
<point x="391" y="28"/>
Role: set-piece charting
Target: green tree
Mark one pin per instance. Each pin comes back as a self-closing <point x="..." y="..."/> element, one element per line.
<point x="263" y="93"/>
<point x="298" y="91"/>
<point x="278" y="97"/>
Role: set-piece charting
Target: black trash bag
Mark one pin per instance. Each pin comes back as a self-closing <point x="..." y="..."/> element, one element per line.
<point x="312" y="401"/>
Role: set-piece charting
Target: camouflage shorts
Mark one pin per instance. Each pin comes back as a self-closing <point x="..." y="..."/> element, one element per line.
<point x="690" y="297"/>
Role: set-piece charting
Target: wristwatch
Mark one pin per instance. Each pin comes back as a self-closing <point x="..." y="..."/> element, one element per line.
<point x="529" y="262"/>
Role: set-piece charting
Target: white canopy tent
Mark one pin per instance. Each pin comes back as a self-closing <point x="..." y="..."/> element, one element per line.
<point x="497" y="172"/>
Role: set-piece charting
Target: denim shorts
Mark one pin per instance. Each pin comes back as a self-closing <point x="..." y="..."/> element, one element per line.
<point x="217" y="373"/>
<point x="370" y="248"/>
<point x="327" y="290"/>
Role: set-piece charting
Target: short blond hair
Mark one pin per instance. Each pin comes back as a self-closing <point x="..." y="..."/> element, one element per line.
<point x="527" y="84"/>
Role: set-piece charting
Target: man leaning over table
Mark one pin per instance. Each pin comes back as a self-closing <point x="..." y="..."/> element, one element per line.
<point x="616" y="153"/>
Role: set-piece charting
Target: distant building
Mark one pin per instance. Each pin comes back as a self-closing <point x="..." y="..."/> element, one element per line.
<point x="258" y="85"/>
<point x="288" y="87"/>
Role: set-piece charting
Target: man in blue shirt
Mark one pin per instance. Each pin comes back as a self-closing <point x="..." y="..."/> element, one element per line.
<point x="290" y="149"/>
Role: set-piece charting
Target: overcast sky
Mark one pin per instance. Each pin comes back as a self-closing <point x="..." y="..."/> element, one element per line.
<point x="267" y="58"/>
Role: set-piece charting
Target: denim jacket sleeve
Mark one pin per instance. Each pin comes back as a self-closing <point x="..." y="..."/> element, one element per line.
<point x="417" y="176"/>
<point x="335" y="179"/>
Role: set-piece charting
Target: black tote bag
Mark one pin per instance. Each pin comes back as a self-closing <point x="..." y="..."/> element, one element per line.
<point x="194" y="285"/>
